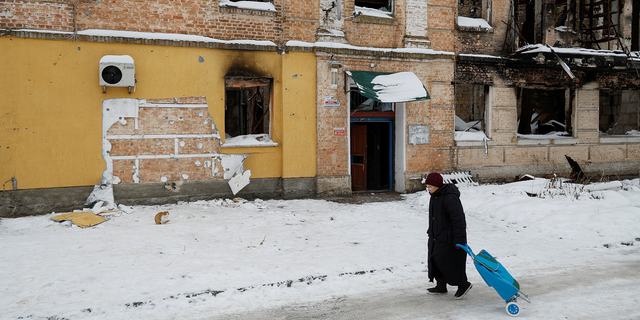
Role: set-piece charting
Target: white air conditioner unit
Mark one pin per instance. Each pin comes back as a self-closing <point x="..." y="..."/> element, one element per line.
<point x="117" y="71"/>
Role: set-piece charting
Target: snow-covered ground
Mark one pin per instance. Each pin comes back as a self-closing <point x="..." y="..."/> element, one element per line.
<point x="575" y="253"/>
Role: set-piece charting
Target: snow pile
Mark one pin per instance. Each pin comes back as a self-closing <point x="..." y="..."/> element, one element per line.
<point x="576" y="257"/>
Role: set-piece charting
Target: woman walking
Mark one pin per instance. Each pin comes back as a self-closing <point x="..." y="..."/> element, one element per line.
<point x="447" y="227"/>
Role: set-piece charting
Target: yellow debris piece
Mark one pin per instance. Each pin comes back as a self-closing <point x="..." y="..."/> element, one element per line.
<point x="81" y="219"/>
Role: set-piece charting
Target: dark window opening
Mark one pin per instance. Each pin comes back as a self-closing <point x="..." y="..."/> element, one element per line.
<point x="526" y="14"/>
<point x="247" y="106"/>
<point x="478" y="9"/>
<point x="470" y="8"/>
<point x="543" y="112"/>
<point x="619" y="112"/>
<point x="601" y="24"/>
<point x="470" y="107"/>
<point x="384" y="5"/>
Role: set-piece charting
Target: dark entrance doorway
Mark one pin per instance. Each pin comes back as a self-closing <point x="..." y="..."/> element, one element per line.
<point x="371" y="154"/>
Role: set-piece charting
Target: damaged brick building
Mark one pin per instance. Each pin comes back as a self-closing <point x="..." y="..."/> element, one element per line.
<point x="541" y="80"/>
<point x="166" y="102"/>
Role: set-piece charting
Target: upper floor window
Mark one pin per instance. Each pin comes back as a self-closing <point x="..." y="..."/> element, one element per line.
<point x="376" y="8"/>
<point x="474" y="15"/>
<point x="261" y="5"/>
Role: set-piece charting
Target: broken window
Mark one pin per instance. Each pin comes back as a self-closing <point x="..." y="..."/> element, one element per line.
<point x="470" y="107"/>
<point x="619" y="112"/>
<point x="544" y="112"/>
<point x="601" y="24"/>
<point x="360" y="103"/>
<point x="480" y="9"/>
<point x="386" y="6"/>
<point x="247" y="106"/>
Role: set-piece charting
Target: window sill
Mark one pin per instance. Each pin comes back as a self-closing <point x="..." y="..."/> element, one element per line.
<point x="619" y="139"/>
<point x="248" y="7"/>
<point x="473" y="25"/>
<point x="250" y="140"/>
<point x="545" y="141"/>
<point x="391" y="21"/>
<point x="470" y="139"/>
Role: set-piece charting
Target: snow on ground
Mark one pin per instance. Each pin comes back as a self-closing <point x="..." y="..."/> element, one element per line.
<point x="220" y="257"/>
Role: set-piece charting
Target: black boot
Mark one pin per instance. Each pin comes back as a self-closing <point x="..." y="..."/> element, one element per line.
<point x="462" y="290"/>
<point x="440" y="288"/>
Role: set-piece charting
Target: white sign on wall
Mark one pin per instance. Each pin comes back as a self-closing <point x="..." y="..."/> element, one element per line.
<point x="419" y="134"/>
<point x="331" y="102"/>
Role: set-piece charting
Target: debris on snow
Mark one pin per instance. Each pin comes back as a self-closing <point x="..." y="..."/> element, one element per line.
<point x="102" y="192"/>
<point x="81" y="218"/>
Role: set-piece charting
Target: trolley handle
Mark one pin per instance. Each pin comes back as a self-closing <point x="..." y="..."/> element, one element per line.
<point x="466" y="248"/>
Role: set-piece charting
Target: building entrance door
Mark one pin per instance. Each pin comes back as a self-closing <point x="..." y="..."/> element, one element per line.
<point x="371" y="154"/>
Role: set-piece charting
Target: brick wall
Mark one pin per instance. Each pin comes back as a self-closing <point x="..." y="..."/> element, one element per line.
<point x="169" y="140"/>
<point x="207" y="18"/>
<point x="478" y="41"/>
<point x="333" y="151"/>
<point x="41" y="15"/>
<point x="204" y="18"/>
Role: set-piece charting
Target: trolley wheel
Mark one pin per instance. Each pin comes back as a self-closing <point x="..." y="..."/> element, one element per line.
<point x="513" y="309"/>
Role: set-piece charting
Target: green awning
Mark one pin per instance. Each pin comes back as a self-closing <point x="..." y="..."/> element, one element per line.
<point x="389" y="87"/>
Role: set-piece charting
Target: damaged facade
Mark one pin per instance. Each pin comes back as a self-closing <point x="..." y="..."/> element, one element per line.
<point x="305" y="98"/>
<point x="542" y="80"/>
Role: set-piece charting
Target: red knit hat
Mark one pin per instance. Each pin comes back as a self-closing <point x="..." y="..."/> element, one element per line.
<point x="434" y="179"/>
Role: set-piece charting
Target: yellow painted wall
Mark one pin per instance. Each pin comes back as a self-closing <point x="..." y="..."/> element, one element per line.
<point x="51" y="105"/>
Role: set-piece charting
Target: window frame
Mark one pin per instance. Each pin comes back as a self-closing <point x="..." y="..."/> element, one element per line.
<point x="248" y="83"/>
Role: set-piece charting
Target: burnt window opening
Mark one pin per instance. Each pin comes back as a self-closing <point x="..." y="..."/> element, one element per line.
<point x="382" y="5"/>
<point x="525" y="21"/>
<point x="247" y="106"/>
<point x="544" y="112"/>
<point x="601" y="24"/>
<point x="619" y="112"/>
<point x="470" y="107"/>
<point x="478" y="9"/>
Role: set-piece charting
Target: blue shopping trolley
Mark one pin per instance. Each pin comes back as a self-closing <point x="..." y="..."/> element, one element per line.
<point x="496" y="276"/>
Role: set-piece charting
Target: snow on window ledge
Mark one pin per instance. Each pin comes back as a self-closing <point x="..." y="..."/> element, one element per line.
<point x="631" y="136"/>
<point x="470" y="136"/>
<point x="249" y="140"/>
<point x="474" y="24"/>
<point x="373" y="12"/>
<point x="549" y="138"/>
<point x="249" y="5"/>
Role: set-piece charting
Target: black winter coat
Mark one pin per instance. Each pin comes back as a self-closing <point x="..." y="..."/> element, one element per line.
<point x="447" y="227"/>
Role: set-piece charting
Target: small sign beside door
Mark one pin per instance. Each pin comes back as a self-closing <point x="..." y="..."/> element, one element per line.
<point x="339" y="132"/>
<point x="419" y="134"/>
<point x="331" y="102"/>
